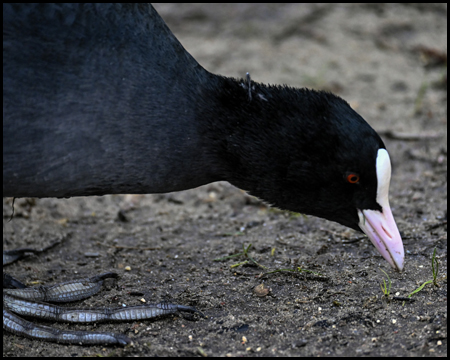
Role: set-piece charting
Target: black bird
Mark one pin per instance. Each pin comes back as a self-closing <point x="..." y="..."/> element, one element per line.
<point x="103" y="99"/>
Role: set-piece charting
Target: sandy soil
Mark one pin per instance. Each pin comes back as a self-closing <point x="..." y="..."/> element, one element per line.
<point x="389" y="62"/>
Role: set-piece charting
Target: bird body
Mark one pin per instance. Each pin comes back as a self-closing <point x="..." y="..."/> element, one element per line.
<point x="103" y="99"/>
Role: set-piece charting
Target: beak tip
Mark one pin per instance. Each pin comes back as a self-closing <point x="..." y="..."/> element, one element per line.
<point x="387" y="242"/>
<point x="399" y="262"/>
<point x="399" y="267"/>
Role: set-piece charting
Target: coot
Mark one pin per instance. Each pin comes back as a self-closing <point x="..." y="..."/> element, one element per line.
<point x="103" y="99"/>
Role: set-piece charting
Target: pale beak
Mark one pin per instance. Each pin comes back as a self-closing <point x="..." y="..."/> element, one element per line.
<point x="380" y="226"/>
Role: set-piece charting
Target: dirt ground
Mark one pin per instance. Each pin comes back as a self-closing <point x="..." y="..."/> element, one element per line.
<point x="389" y="61"/>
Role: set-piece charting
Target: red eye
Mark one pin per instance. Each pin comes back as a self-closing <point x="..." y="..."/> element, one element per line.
<point x="352" y="178"/>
